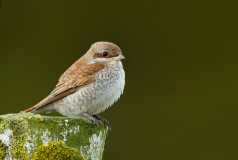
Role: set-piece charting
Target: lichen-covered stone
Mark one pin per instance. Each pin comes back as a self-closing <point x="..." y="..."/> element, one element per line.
<point x="25" y="136"/>
<point x="56" y="151"/>
<point x="2" y="150"/>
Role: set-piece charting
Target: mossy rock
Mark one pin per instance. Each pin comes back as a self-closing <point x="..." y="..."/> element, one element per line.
<point x="56" y="151"/>
<point x="26" y="136"/>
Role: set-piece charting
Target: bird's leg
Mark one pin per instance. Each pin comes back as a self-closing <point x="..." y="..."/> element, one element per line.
<point x="105" y="121"/>
<point x="91" y="118"/>
<point x="98" y="117"/>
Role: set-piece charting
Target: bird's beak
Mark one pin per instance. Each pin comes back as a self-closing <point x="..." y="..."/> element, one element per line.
<point x="105" y="60"/>
<point x="120" y="57"/>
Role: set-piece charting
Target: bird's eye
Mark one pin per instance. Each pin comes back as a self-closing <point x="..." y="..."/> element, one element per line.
<point x="105" y="54"/>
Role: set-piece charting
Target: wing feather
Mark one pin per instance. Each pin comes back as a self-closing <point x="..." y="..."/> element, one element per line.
<point x="78" y="75"/>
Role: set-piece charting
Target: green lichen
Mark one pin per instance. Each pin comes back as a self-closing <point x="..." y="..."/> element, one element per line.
<point x="3" y="149"/>
<point x="19" y="128"/>
<point x="56" y="150"/>
<point x="29" y="136"/>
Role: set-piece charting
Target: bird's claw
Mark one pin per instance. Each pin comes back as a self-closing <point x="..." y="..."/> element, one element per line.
<point x="96" y="119"/>
<point x="103" y="121"/>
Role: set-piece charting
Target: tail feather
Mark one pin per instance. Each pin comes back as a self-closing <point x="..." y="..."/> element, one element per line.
<point x="41" y="105"/>
<point x="31" y="109"/>
<point x="37" y="108"/>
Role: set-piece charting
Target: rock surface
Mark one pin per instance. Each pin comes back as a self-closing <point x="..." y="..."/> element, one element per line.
<point x="25" y="136"/>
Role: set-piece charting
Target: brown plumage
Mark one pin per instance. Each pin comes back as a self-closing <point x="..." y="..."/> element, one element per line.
<point x="81" y="73"/>
<point x="76" y="76"/>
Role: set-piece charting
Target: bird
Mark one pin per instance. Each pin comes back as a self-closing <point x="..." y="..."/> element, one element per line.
<point x="89" y="86"/>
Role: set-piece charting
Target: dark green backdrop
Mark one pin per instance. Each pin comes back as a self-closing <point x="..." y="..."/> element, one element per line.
<point x="180" y="99"/>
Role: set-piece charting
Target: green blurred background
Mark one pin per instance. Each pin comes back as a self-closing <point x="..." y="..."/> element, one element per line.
<point x="180" y="100"/>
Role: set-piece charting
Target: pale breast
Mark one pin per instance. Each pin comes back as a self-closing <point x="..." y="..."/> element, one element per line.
<point x="98" y="96"/>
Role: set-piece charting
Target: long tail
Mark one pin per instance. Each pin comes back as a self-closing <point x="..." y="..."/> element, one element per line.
<point x="31" y="109"/>
<point x="36" y="109"/>
<point x="41" y="106"/>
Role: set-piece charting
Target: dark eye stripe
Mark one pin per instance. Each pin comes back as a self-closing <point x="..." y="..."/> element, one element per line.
<point x="105" y="54"/>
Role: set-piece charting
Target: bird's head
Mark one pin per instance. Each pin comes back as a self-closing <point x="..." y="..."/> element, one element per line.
<point x="104" y="52"/>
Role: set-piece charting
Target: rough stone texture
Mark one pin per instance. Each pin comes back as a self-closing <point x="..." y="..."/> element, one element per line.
<point x="25" y="136"/>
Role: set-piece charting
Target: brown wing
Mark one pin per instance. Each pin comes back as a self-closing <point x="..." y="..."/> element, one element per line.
<point x="78" y="75"/>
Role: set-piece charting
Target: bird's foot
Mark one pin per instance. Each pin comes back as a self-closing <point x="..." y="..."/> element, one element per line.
<point x="91" y="119"/>
<point x="103" y="120"/>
